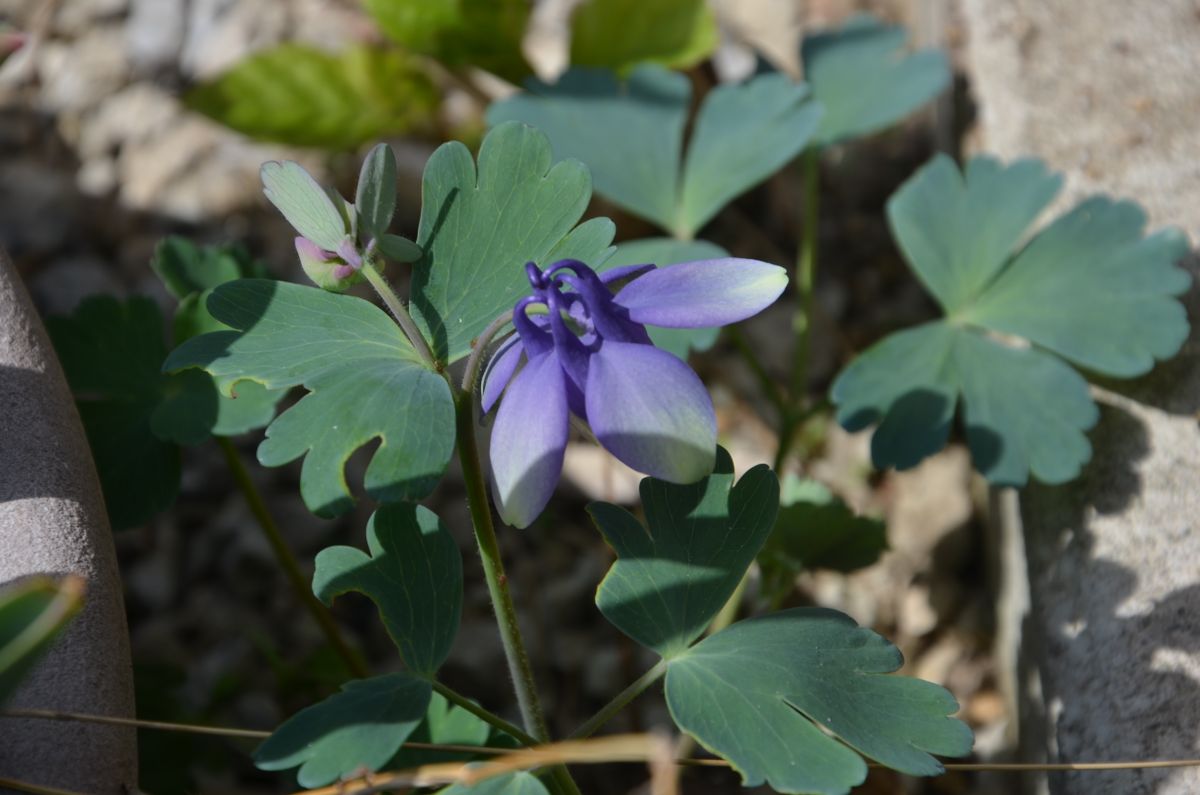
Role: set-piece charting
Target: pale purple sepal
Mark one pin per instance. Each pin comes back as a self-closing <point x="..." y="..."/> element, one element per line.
<point x="500" y="371"/>
<point x="529" y="439"/>
<point x="702" y="293"/>
<point x="651" y="411"/>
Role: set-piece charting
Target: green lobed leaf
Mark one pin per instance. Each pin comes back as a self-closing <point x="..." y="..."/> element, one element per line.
<point x="356" y="730"/>
<point x="673" y="575"/>
<point x="792" y="698"/>
<point x="743" y="134"/>
<point x="375" y="201"/>
<point x="630" y="134"/>
<point x="485" y="34"/>
<point x="303" y="96"/>
<point x="1089" y="287"/>
<point x="112" y="352"/>
<point x="444" y="724"/>
<point x="620" y="34"/>
<point x="508" y="784"/>
<point x="32" y="613"/>
<point x="364" y="380"/>
<point x="479" y="226"/>
<point x="664" y="251"/>
<point x="413" y="574"/>
<point x="862" y="76"/>
<point x="816" y="530"/>
<point x="185" y="268"/>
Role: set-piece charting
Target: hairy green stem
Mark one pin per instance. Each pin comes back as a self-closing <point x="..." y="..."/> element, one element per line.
<point x="622" y="700"/>
<point x="291" y="568"/>
<point x="479" y="350"/>
<point x="400" y="313"/>
<point x="490" y="718"/>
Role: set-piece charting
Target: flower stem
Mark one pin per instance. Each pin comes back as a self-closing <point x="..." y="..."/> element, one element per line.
<point x="493" y="569"/>
<point x="621" y="701"/>
<point x="806" y="273"/>
<point x="291" y="568"/>
<point x="403" y="319"/>
<point x="490" y="718"/>
<point x="519" y="667"/>
<point x="480" y="346"/>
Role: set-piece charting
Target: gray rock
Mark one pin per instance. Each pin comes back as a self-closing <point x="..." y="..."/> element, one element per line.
<point x="1110" y="646"/>
<point x="52" y="522"/>
<point x="154" y="32"/>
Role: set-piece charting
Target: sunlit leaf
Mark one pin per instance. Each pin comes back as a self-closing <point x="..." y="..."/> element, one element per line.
<point x="459" y="33"/>
<point x="508" y="784"/>
<point x="304" y="96"/>
<point x="673" y="575"/>
<point x="479" y="226"/>
<point x="1089" y="288"/>
<point x="364" y="380"/>
<point x="862" y="76"/>
<point x="619" y="34"/>
<point x="793" y="698"/>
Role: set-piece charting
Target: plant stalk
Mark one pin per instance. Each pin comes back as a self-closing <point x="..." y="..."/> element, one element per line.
<point x="622" y="700"/>
<point x="400" y="313"/>
<point x="291" y="568"/>
<point x="497" y="582"/>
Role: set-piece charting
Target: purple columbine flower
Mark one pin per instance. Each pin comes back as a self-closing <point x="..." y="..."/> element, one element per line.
<point x="588" y="354"/>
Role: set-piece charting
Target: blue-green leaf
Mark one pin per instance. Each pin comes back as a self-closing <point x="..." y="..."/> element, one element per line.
<point x="480" y="226"/>
<point x="375" y="201"/>
<point x="304" y="203"/>
<point x="743" y="134"/>
<point x="444" y="724"/>
<point x="508" y="784"/>
<point x="364" y="379"/>
<point x="866" y="82"/>
<point x="1089" y="288"/>
<point x="630" y="134"/>
<point x="413" y="574"/>
<point x="673" y="576"/>
<point x="664" y="251"/>
<point x="792" y="698"/>
<point x="816" y="530"/>
<point x="357" y="730"/>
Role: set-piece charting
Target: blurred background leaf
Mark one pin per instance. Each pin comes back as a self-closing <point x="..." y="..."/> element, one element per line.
<point x="620" y="34"/>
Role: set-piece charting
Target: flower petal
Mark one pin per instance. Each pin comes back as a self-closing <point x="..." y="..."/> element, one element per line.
<point x="650" y="410"/>
<point x="499" y="371"/>
<point x="711" y="292"/>
<point x="529" y="438"/>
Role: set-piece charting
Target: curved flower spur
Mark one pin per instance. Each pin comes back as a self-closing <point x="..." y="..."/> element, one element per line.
<point x="588" y="354"/>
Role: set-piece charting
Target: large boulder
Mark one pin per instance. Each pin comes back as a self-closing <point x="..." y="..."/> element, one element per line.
<point x="52" y="522"/>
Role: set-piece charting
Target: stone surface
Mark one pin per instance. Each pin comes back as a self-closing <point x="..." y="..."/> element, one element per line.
<point x="1110" y="648"/>
<point x="52" y="522"/>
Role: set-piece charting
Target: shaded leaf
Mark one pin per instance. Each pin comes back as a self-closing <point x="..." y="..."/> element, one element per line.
<point x="630" y="134"/>
<point x="399" y="249"/>
<point x="619" y="34"/>
<point x="364" y="380"/>
<point x="302" y="96"/>
<point x="32" y="613"/>
<point x="816" y="530"/>
<point x="185" y="268"/>
<point x="664" y="251"/>
<point x="1089" y="287"/>
<point x="444" y="724"/>
<point x="862" y="76"/>
<point x="413" y="574"/>
<point x="112" y="354"/>
<point x="356" y="730"/>
<point x="460" y="33"/>
<point x="480" y="226"/>
<point x="673" y="575"/>
<point x="767" y="693"/>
